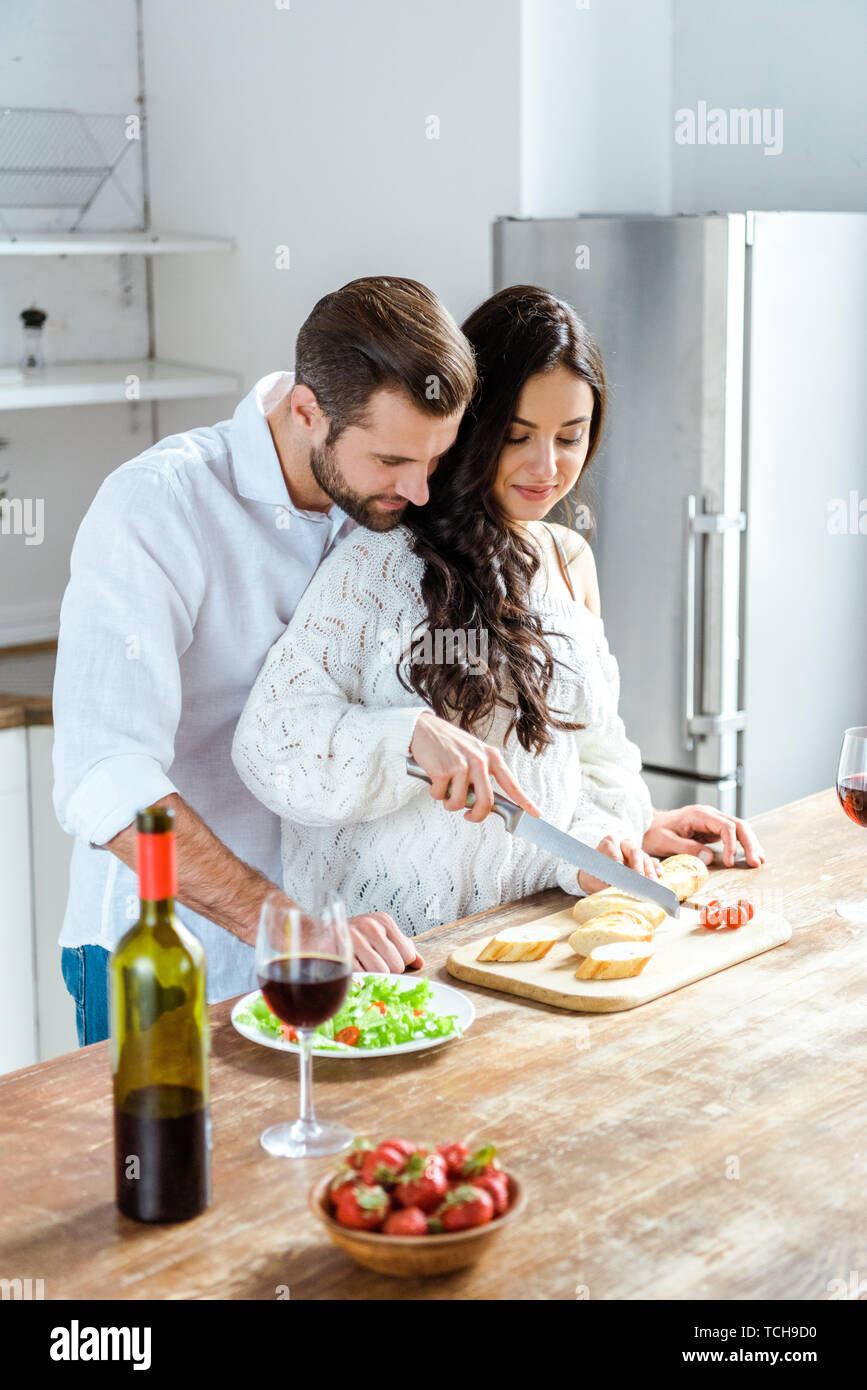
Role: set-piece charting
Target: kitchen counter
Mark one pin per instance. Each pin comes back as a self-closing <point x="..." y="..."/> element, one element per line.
<point x="707" y="1145"/>
<point x="26" y="681"/>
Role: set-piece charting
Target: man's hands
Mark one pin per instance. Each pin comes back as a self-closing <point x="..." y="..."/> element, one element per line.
<point x="626" y="853"/>
<point x="689" y="829"/>
<point x="380" y="945"/>
<point x="451" y="756"/>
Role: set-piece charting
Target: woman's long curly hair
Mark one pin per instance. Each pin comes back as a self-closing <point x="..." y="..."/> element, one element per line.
<point x="477" y="569"/>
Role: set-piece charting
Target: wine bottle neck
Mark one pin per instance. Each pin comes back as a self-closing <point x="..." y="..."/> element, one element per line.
<point x="155" y="911"/>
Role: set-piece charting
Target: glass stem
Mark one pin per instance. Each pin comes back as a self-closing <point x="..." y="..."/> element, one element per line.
<point x="305" y="1039"/>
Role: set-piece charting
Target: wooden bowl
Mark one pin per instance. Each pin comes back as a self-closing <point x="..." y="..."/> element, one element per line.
<point x="414" y="1256"/>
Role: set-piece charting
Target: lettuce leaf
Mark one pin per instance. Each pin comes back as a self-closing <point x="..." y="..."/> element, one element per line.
<point x="399" y="1024"/>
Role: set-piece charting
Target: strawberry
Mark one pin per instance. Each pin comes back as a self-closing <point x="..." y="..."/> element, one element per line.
<point x="483" y="1161"/>
<point x="402" y="1145"/>
<point x="412" y="1221"/>
<point x="345" y="1175"/>
<point x="497" y="1184"/>
<point x="466" y="1206"/>
<point x="455" y="1156"/>
<point x="361" y="1206"/>
<point x="360" y="1147"/>
<point x="423" y="1182"/>
<point x="383" y="1165"/>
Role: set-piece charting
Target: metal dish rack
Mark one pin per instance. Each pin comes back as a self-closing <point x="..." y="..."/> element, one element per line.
<point x="59" y="160"/>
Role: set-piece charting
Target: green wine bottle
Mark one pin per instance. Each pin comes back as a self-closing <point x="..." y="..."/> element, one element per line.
<point x="159" y="1045"/>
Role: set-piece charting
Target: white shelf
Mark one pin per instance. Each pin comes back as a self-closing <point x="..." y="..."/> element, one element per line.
<point x="105" y="383"/>
<point x="152" y="243"/>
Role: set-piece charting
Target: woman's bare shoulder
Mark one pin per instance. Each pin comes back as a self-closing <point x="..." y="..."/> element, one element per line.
<point x="582" y="565"/>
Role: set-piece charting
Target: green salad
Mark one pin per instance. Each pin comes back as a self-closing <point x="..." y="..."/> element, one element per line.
<point x="377" y="1013"/>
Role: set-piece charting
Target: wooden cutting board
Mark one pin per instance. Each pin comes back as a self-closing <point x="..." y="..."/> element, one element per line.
<point x="684" y="951"/>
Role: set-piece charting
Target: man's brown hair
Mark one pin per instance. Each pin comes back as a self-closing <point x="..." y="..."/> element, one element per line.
<point x="383" y="333"/>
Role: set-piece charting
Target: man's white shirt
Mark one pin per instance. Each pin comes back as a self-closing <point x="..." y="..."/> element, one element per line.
<point x="186" y="569"/>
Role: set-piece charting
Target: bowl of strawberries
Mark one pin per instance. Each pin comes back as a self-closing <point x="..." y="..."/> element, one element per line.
<point x="413" y="1209"/>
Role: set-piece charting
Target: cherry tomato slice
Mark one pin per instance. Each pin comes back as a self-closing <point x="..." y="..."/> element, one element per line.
<point x="711" y="916"/>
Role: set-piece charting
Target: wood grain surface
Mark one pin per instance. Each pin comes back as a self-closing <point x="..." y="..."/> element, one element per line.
<point x="709" y="1145"/>
<point x="683" y="952"/>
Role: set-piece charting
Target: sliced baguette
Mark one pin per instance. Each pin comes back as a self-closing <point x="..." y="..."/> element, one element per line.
<point x="613" y="900"/>
<point x="618" y="961"/>
<point x="613" y="926"/>
<point x="527" y="942"/>
<point x="684" y="874"/>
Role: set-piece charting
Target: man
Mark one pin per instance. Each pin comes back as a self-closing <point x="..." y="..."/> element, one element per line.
<point x="185" y="571"/>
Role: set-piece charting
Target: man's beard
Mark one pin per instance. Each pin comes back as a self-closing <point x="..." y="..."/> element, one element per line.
<point x="326" y="471"/>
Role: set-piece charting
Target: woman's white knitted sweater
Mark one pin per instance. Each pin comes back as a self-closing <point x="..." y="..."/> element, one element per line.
<point x="325" y="733"/>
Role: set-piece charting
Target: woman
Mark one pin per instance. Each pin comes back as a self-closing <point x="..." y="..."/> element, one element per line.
<point x="476" y="611"/>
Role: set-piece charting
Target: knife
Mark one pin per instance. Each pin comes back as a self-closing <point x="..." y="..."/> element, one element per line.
<point x="562" y="846"/>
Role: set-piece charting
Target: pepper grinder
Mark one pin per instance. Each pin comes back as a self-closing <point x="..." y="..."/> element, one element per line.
<point x="32" y="360"/>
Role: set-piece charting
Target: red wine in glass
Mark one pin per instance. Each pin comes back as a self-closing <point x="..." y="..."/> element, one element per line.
<point x="852" y="793"/>
<point x="305" y="990"/>
<point x="304" y="966"/>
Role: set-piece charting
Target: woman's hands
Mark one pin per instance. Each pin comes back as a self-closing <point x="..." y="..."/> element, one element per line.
<point x="380" y="946"/>
<point x="625" y="852"/>
<point x="451" y="756"/>
<point x="689" y="829"/>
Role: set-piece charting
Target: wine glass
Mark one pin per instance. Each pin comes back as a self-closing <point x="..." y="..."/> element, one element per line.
<point x="852" y="791"/>
<point x="304" y="965"/>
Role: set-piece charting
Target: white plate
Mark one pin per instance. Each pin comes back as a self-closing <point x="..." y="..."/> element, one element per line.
<point x="445" y="1000"/>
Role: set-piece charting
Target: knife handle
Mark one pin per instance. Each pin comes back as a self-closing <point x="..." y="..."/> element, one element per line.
<point x="502" y="805"/>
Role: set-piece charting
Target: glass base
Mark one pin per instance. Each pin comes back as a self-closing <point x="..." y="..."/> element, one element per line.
<point x="305" y="1140"/>
<point x="854" y="911"/>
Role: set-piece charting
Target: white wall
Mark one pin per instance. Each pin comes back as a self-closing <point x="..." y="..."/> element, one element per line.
<point x="306" y="127"/>
<point x="595" y="83"/>
<point x="601" y="86"/>
<point x="79" y="57"/>
<point x="805" y="56"/>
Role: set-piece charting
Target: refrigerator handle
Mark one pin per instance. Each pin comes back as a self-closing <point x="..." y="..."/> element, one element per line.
<point x="701" y="523"/>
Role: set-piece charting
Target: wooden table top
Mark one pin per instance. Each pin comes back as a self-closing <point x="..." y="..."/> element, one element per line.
<point x="708" y="1145"/>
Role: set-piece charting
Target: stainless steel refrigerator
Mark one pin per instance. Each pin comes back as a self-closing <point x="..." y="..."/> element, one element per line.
<point x="730" y="494"/>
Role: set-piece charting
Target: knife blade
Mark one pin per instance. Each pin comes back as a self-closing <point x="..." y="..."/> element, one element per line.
<point x="562" y="846"/>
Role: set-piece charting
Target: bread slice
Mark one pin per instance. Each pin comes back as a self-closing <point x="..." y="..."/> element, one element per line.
<point x="684" y="874"/>
<point x="613" y="900"/>
<point x="528" y="942"/>
<point x="618" y="961"/>
<point x="611" y="927"/>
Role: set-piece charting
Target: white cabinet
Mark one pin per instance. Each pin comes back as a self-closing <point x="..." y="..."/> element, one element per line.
<point x="37" y="1015"/>
<point x="50" y="849"/>
<point x="18" y="1044"/>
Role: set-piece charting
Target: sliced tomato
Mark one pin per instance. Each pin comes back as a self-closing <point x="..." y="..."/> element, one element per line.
<point x="288" y="1032"/>
<point x="348" y="1035"/>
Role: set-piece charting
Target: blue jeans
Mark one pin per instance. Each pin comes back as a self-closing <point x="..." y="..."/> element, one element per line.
<point x="85" y="974"/>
